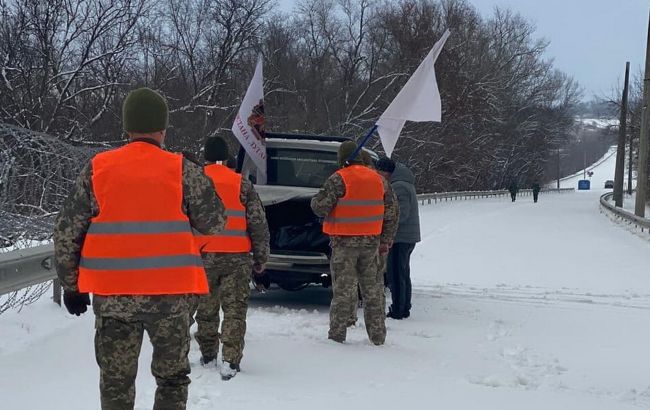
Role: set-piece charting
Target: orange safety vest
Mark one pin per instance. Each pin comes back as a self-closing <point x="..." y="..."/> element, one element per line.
<point x="234" y="238"/>
<point x="361" y="210"/>
<point x="141" y="242"/>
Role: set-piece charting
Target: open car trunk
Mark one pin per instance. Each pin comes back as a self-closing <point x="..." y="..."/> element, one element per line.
<point x="292" y="224"/>
<point x="299" y="248"/>
<point x="295" y="228"/>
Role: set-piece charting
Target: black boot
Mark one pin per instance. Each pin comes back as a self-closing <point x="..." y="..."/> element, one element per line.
<point x="394" y="315"/>
<point x="206" y="360"/>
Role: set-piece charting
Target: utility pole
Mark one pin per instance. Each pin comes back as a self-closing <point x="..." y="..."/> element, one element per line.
<point x="558" y="168"/>
<point x="629" y="166"/>
<point x="642" y="167"/>
<point x="620" y="150"/>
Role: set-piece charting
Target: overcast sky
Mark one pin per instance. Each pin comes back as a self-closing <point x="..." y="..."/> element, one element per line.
<point x="590" y="39"/>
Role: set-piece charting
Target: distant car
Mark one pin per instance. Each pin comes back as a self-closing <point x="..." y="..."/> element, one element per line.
<point x="609" y="184"/>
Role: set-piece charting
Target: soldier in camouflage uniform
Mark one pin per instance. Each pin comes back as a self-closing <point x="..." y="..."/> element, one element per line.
<point x="229" y="266"/>
<point x="354" y="258"/>
<point x="122" y="319"/>
<point x="381" y="259"/>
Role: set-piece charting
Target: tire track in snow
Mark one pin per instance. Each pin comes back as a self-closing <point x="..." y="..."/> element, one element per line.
<point x="530" y="295"/>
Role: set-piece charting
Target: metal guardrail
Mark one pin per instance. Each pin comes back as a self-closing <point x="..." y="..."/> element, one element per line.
<point x="26" y="267"/>
<point x="31" y="266"/>
<point x="622" y="214"/>
<point x="464" y="195"/>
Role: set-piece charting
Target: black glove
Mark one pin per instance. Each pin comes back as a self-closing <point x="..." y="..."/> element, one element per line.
<point x="76" y="302"/>
<point x="262" y="281"/>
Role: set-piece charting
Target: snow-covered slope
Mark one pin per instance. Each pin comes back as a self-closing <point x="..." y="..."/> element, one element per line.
<point x="516" y="306"/>
<point x="599" y="122"/>
<point x="603" y="169"/>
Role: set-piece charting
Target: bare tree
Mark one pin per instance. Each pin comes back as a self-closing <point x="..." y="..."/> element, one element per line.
<point x="36" y="173"/>
<point x="63" y="60"/>
<point x="332" y="66"/>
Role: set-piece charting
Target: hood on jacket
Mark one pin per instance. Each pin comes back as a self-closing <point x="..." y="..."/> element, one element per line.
<point x="402" y="174"/>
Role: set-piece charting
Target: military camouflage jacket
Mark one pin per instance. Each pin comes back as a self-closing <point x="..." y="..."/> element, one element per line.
<point x="201" y="204"/>
<point x="333" y="189"/>
<point x="256" y="226"/>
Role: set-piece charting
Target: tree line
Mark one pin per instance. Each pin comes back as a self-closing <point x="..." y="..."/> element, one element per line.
<point x="331" y="67"/>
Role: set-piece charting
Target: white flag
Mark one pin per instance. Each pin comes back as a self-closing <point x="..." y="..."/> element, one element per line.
<point x="249" y="123"/>
<point x="418" y="100"/>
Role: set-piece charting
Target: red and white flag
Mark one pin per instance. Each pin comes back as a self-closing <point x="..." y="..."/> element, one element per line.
<point x="418" y="100"/>
<point x="249" y="123"/>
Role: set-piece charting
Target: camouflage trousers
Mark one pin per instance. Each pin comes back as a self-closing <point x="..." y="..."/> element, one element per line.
<point x="229" y="277"/>
<point x="381" y="271"/>
<point x="354" y="267"/>
<point x="117" y="347"/>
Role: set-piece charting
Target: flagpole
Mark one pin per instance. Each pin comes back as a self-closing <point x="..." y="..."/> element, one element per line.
<point x="363" y="142"/>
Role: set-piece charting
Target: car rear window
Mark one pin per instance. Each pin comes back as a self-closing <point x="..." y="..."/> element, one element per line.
<point x="297" y="167"/>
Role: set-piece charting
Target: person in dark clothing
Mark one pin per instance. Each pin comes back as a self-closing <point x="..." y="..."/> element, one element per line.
<point x="513" y="188"/>
<point x="536" y="188"/>
<point x="398" y="278"/>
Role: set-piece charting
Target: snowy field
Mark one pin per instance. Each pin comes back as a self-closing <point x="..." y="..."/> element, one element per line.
<point x="516" y="306"/>
<point x="599" y="122"/>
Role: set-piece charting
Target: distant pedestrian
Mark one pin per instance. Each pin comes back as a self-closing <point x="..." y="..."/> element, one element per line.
<point x="536" y="188"/>
<point x="402" y="181"/>
<point x="513" y="189"/>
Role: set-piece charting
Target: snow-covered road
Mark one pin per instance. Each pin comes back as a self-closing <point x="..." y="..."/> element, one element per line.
<point x="516" y="306"/>
<point x="603" y="170"/>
